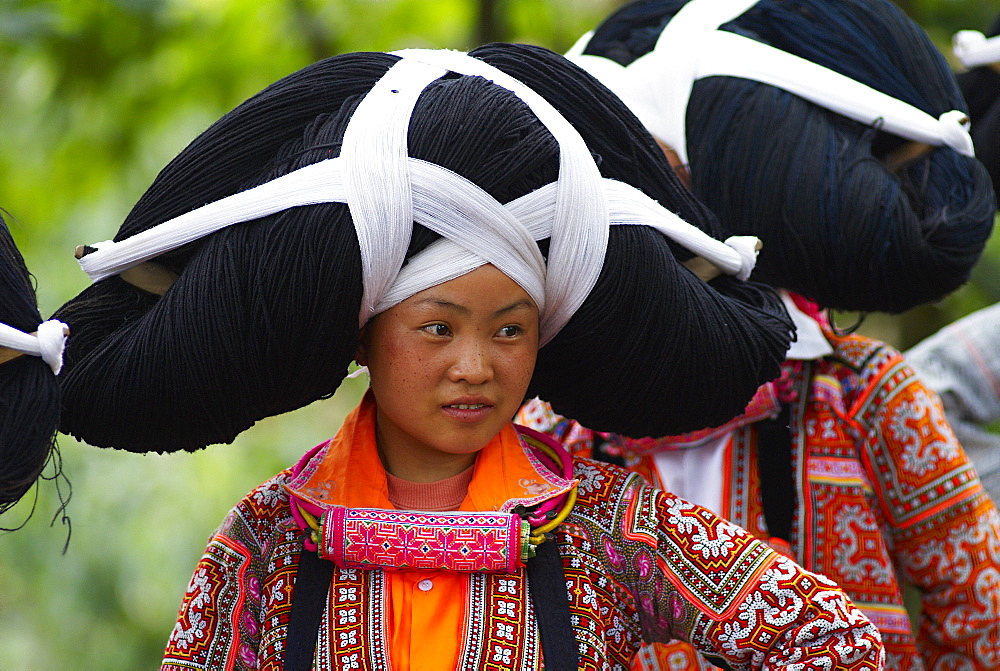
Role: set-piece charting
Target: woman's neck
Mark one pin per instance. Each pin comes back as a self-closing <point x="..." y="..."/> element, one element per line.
<point x="418" y="465"/>
<point x="439" y="496"/>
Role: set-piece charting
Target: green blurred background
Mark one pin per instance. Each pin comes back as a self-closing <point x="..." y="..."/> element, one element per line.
<point x="97" y="97"/>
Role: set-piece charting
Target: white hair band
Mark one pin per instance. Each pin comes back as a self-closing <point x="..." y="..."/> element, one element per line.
<point x="973" y="48"/>
<point x="47" y="343"/>
<point x="374" y="152"/>
<point x="444" y="260"/>
<point x="579" y="225"/>
<point x="321" y="183"/>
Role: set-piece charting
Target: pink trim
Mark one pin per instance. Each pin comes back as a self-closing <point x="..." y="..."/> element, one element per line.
<point x="538" y="460"/>
<point x="811" y="309"/>
<point x="301" y="472"/>
<point x="333" y="535"/>
<point x="514" y="554"/>
<point x="304" y="467"/>
<point x="565" y="459"/>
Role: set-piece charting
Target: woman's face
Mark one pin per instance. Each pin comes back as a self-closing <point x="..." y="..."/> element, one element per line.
<point x="449" y="367"/>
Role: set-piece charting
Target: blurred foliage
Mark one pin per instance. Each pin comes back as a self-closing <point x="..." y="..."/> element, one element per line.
<point x="97" y="96"/>
<point x="943" y="18"/>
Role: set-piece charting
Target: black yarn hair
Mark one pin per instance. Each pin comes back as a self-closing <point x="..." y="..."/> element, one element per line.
<point x="981" y="88"/>
<point x="636" y="358"/>
<point x="838" y="225"/>
<point x="263" y="316"/>
<point x="29" y="392"/>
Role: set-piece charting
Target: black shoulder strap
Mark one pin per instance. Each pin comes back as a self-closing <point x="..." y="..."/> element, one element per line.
<point x="774" y="464"/>
<point x="547" y="584"/>
<point x="309" y="600"/>
<point x="602" y="451"/>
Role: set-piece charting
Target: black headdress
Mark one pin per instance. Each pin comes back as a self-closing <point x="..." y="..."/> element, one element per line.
<point x="812" y="172"/>
<point x="30" y="357"/>
<point x="262" y="317"/>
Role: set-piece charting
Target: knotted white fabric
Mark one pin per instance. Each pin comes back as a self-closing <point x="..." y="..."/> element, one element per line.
<point x="579" y="230"/>
<point x="47" y="343"/>
<point x="657" y="85"/>
<point x="574" y="212"/>
<point x="374" y="153"/>
<point x="973" y="48"/>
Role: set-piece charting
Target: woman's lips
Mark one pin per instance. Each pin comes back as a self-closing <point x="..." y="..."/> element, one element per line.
<point x="468" y="412"/>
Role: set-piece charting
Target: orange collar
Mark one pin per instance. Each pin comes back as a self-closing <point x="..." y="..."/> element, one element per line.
<point x="346" y="471"/>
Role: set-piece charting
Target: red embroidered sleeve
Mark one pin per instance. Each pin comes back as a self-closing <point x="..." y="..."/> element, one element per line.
<point x="219" y="625"/>
<point x="699" y="578"/>
<point x="946" y="531"/>
<point x="207" y="632"/>
<point x="795" y="619"/>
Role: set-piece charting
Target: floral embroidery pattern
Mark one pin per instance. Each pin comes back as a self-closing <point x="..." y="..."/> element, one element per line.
<point x="923" y="433"/>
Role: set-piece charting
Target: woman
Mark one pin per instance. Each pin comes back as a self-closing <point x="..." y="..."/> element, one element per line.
<point x="834" y="131"/>
<point x="448" y="366"/>
<point x="409" y="537"/>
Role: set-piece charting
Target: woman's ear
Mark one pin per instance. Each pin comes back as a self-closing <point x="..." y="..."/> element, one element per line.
<point x="361" y="354"/>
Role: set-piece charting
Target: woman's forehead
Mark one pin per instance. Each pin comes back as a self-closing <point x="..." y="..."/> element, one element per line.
<point x="485" y="288"/>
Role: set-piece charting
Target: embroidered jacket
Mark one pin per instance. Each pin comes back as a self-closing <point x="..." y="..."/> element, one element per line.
<point x="639" y="563"/>
<point x="884" y="495"/>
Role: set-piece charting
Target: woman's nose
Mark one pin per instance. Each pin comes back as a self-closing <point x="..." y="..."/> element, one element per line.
<point x="472" y="363"/>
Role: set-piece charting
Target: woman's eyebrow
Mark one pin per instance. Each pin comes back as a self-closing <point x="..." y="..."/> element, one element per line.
<point x="520" y="304"/>
<point x="448" y="305"/>
<point x="516" y="305"/>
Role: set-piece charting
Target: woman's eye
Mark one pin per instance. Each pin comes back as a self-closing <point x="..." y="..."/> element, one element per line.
<point x="437" y="329"/>
<point x="510" y="331"/>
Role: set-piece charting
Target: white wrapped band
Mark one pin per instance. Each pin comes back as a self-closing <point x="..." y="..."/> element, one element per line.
<point x="374" y="152"/>
<point x="313" y="184"/>
<point x="742" y="57"/>
<point x="628" y="205"/>
<point x="669" y="88"/>
<point x="441" y="200"/>
<point x="459" y="210"/>
<point x="973" y="48"/>
<point x="48" y="343"/>
<point x="579" y="226"/>
<point x="657" y="86"/>
<point x="573" y="212"/>
<point x="444" y="259"/>
<point x="444" y="202"/>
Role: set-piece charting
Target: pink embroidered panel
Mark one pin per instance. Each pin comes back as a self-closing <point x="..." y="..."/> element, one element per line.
<point x="400" y="539"/>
